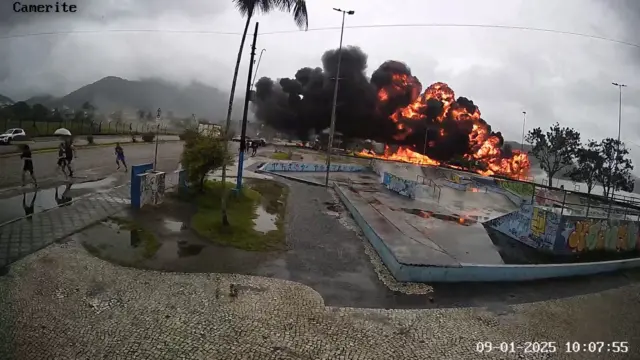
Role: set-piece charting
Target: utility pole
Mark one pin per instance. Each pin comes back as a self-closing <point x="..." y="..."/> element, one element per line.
<point x="253" y="83"/>
<point x="155" y="156"/>
<point x="620" y="86"/>
<point x="524" y="121"/>
<point x="332" y="128"/>
<point x="247" y="98"/>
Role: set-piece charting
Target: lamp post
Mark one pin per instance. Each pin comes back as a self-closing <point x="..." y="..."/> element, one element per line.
<point x="335" y="95"/>
<point x="155" y="156"/>
<point x="620" y="86"/>
<point x="524" y="121"/>
<point x="253" y="83"/>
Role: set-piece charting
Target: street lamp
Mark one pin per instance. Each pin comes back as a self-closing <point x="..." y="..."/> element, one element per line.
<point x="253" y="83"/>
<point x="620" y="86"/>
<point x="335" y="95"/>
<point x="524" y="121"/>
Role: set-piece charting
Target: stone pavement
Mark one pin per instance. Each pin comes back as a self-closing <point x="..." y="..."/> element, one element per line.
<point x="62" y="303"/>
<point x="27" y="235"/>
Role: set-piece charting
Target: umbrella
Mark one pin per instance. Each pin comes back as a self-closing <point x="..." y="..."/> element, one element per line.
<point x="62" y="132"/>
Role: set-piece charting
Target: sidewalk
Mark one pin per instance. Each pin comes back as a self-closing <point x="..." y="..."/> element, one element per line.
<point x="27" y="235"/>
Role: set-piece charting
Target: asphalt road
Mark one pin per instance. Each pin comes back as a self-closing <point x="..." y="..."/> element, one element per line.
<point x="90" y="163"/>
<point x="49" y="143"/>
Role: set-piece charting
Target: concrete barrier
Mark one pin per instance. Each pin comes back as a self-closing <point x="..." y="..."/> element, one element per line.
<point x="292" y="166"/>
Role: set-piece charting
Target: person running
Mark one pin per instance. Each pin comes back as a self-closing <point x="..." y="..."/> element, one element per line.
<point x="254" y="147"/>
<point x="120" y="157"/>
<point x="27" y="165"/>
<point x="69" y="153"/>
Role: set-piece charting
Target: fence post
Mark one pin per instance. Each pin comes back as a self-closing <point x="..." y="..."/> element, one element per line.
<point x="564" y="199"/>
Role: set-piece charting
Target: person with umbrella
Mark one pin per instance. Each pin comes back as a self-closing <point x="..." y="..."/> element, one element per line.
<point x="67" y="151"/>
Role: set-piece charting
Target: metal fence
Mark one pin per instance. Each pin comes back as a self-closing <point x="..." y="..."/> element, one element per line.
<point x="571" y="202"/>
<point x="46" y="128"/>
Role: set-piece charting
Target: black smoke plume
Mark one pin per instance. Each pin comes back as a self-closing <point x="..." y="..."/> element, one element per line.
<point x="365" y="107"/>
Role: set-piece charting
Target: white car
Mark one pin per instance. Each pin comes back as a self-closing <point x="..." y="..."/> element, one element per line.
<point x="9" y="135"/>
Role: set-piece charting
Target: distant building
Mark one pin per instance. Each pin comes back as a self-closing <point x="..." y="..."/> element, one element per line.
<point x="209" y="129"/>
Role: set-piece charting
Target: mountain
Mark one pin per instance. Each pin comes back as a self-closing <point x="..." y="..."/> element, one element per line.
<point x="42" y="99"/>
<point x="5" y="100"/>
<point x="113" y="93"/>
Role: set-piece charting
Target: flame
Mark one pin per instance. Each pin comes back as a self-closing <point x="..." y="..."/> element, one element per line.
<point x="484" y="147"/>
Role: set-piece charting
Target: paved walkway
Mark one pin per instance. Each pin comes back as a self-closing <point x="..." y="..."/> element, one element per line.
<point x="27" y="235"/>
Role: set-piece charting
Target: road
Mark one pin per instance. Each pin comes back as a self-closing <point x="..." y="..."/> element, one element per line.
<point x="49" y="142"/>
<point x="91" y="163"/>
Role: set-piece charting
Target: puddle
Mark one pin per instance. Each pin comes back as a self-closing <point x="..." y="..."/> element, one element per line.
<point x="174" y="225"/>
<point x="265" y="222"/>
<point x="466" y="221"/>
<point x="123" y="246"/>
<point x="40" y="200"/>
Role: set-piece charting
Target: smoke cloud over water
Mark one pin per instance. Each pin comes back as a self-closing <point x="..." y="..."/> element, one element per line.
<point x="390" y="107"/>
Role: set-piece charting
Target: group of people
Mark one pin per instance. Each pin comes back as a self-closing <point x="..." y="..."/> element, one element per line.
<point x="66" y="154"/>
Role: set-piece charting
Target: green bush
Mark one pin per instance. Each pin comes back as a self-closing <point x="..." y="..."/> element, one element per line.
<point x="90" y="139"/>
<point x="188" y="135"/>
<point x="202" y="154"/>
<point x="148" y="137"/>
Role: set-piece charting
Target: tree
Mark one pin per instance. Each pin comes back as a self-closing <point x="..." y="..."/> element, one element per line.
<point x="141" y="114"/>
<point x="589" y="161"/>
<point x="39" y="113"/>
<point x="21" y="111"/>
<point x="555" y="149"/>
<point x="248" y="8"/>
<point x="149" y="116"/>
<point x="201" y="155"/>
<point x="615" y="172"/>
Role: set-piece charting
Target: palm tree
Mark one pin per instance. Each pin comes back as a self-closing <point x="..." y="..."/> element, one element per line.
<point x="248" y="8"/>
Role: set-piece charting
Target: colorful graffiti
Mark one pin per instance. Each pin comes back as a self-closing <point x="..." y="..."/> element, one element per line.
<point x="518" y="188"/>
<point x="601" y="234"/>
<point x="302" y="167"/>
<point x="538" y="222"/>
<point x="399" y="185"/>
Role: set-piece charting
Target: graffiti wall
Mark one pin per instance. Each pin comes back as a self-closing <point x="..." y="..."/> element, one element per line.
<point x="301" y="167"/>
<point x="152" y="188"/>
<point x="399" y="185"/>
<point x="611" y="235"/>
<point x="529" y="225"/>
<point x="518" y="188"/>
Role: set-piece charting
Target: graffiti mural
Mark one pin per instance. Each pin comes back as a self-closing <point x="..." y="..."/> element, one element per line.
<point x="518" y="188"/>
<point x="538" y="222"/>
<point x="531" y="226"/>
<point x="600" y="235"/>
<point x="399" y="185"/>
<point x="302" y="167"/>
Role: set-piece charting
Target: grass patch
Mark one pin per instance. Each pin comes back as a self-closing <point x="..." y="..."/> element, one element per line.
<point x="241" y="212"/>
<point x="148" y="240"/>
<point x="281" y="156"/>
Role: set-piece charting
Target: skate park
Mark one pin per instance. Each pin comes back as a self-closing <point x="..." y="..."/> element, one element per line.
<point x="436" y="224"/>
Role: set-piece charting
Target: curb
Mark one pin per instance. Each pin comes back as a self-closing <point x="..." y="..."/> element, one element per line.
<point x="54" y="149"/>
<point x="293" y="178"/>
<point x="478" y="272"/>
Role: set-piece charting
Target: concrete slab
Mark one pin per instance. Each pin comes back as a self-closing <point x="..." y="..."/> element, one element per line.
<point x="404" y="249"/>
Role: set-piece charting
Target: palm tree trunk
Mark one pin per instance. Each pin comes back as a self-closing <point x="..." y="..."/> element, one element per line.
<point x="223" y="204"/>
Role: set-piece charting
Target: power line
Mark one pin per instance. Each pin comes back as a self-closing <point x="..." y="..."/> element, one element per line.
<point x="355" y="27"/>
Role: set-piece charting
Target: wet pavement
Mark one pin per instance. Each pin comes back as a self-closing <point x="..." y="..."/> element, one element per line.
<point x="34" y="201"/>
<point x="327" y="253"/>
<point x="90" y="164"/>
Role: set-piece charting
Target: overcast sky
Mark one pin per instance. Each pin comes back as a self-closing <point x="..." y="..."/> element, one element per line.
<point x="553" y="77"/>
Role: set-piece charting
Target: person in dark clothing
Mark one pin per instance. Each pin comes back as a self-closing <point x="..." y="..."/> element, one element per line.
<point x="69" y="154"/>
<point x="254" y="147"/>
<point x="27" y="165"/>
<point x="62" y="161"/>
<point x="120" y="157"/>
